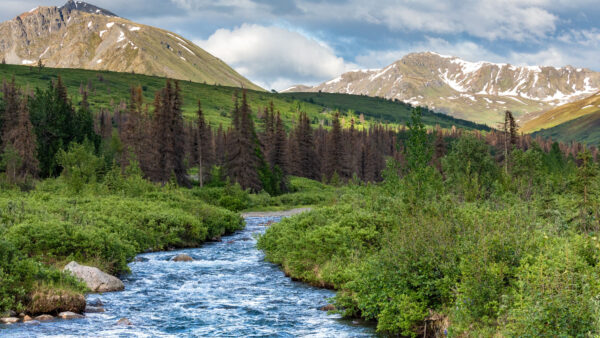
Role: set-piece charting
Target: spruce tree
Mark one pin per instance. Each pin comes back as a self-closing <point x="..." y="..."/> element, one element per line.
<point x="204" y="149"/>
<point x="168" y="135"/>
<point x="242" y="158"/>
<point x="278" y="157"/>
<point x="10" y="107"/>
<point x="307" y="160"/>
<point x="22" y="139"/>
<point x="337" y="158"/>
<point x="57" y="124"/>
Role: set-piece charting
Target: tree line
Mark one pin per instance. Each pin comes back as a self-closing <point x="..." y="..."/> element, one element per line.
<point x="255" y="151"/>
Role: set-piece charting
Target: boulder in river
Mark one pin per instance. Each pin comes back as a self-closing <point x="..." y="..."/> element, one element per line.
<point x="94" y="309"/>
<point x="328" y="307"/>
<point x="182" y="258"/>
<point x="55" y="301"/>
<point x="94" y="278"/>
<point x="44" y="318"/>
<point x="124" y="321"/>
<point x="69" y="315"/>
<point x="9" y="320"/>
<point x="27" y="318"/>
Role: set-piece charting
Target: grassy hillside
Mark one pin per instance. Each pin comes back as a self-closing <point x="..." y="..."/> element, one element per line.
<point x="562" y="114"/>
<point x="108" y="90"/>
<point x="585" y="129"/>
<point x="379" y="109"/>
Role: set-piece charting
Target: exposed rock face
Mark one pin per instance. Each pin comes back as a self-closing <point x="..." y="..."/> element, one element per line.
<point x="182" y="258"/>
<point x="81" y="35"/>
<point x="69" y="315"/>
<point x="94" y="278"/>
<point x="477" y="91"/>
<point x="55" y="301"/>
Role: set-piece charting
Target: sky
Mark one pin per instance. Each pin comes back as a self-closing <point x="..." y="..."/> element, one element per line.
<point x="279" y="43"/>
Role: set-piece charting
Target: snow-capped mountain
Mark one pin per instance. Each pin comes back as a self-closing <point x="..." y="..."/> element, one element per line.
<point x="477" y="91"/>
<point x="81" y="35"/>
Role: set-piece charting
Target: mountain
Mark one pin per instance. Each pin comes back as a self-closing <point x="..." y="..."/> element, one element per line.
<point x="576" y="121"/>
<point x="80" y="35"/>
<point x="476" y="91"/>
<point x="584" y="129"/>
<point x="559" y="115"/>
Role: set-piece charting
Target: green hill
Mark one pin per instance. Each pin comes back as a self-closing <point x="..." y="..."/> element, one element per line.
<point x="584" y="129"/>
<point x="110" y="90"/>
<point x="378" y="109"/>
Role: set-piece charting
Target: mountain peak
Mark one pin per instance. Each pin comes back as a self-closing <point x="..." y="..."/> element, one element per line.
<point x="478" y="91"/>
<point x="82" y="35"/>
<point x="81" y="6"/>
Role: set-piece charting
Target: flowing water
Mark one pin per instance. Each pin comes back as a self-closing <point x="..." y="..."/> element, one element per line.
<point x="229" y="290"/>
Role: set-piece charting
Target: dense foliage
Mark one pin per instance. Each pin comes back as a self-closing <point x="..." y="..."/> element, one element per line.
<point x="104" y="222"/>
<point x="490" y="245"/>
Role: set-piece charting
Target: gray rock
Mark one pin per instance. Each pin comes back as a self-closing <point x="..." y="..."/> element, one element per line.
<point x="94" y="309"/>
<point x="94" y="278"/>
<point x="44" y="318"/>
<point x="182" y="258"/>
<point x="95" y="302"/>
<point x="69" y="315"/>
<point x="124" y="321"/>
<point x="9" y="320"/>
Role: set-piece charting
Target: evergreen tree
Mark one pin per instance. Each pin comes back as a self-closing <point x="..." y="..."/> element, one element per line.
<point x="133" y="133"/>
<point x="418" y="147"/>
<point x="242" y="160"/>
<point x="306" y="158"/>
<point x="56" y="125"/>
<point x="10" y="107"/>
<point x="168" y="135"/>
<point x="204" y="149"/>
<point x="278" y="157"/>
<point x="337" y="158"/>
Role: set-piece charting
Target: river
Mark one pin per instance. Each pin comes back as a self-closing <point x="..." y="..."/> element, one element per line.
<point x="229" y="290"/>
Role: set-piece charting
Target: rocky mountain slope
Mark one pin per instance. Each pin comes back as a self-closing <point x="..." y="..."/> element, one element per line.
<point x="80" y="35"/>
<point x="567" y="112"/>
<point x="584" y="129"/>
<point x="476" y="91"/>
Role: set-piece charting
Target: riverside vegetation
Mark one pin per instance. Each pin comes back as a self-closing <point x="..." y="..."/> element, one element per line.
<point x="481" y="245"/>
<point x="422" y="230"/>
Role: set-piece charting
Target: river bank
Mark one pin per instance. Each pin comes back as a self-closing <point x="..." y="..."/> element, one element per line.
<point x="228" y="290"/>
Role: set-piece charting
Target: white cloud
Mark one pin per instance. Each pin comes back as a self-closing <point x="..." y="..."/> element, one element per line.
<point x="275" y="57"/>
<point x="512" y="20"/>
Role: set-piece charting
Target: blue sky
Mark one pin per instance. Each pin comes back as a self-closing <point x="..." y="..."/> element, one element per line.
<point x="280" y="43"/>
